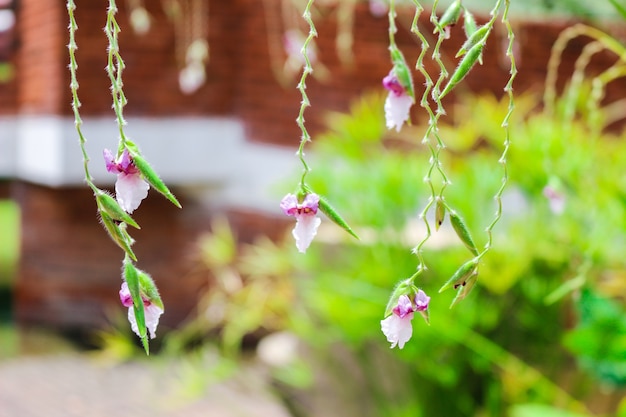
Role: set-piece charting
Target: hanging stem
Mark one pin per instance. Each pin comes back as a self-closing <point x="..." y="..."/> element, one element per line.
<point x="115" y="66"/>
<point x="308" y="69"/>
<point x="72" y="47"/>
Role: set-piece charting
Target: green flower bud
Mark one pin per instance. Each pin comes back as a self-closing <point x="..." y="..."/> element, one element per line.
<point x="440" y="213"/>
<point x="465" y="289"/>
<point x="450" y="16"/>
<point x="466" y="64"/>
<point x="463" y="232"/>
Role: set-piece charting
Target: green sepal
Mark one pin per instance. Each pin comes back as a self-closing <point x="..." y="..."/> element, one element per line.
<point x="465" y="289"/>
<point x="469" y="23"/>
<point x="440" y="213"/>
<point x="403" y="288"/>
<point x="450" y="16"/>
<point x="466" y="64"/>
<point x="151" y="176"/>
<point x="332" y="214"/>
<point x="478" y="37"/>
<point x="149" y="289"/>
<point x="402" y="71"/>
<point x="118" y="235"/>
<point x="460" y="277"/>
<point x="463" y="232"/>
<point x="107" y="204"/>
<point x="131" y="276"/>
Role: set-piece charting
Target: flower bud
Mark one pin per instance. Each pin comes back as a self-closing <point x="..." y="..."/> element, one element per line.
<point x="450" y="16"/>
<point x="440" y="213"/>
<point x="463" y="232"/>
<point x="466" y="64"/>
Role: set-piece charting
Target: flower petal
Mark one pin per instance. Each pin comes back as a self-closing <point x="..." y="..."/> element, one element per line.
<point x="311" y="202"/>
<point x="152" y="314"/>
<point x="289" y="204"/>
<point x="305" y="230"/>
<point x="397" y="110"/>
<point x="109" y="161"/>
<point x="397" y="330"/>
<point x="130" y="189"/>
<point x="125" y="297"/>
<point x="421" y="301"/>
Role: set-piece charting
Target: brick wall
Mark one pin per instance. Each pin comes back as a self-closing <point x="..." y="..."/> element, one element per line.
<point x="240" y="81"/>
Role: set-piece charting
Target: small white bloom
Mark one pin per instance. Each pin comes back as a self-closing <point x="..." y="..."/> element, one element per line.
<point x="306" y="220"/>
<point x="152" y="313"/>
<point x="130" y="189"/>
<point x="397" y="110"/>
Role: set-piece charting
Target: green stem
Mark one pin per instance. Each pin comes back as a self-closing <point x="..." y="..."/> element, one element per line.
<point x="72" y="47"/>
<point x="505" y="124"/>
<point x="115" y="67"/>
<point x="308" y="69"/>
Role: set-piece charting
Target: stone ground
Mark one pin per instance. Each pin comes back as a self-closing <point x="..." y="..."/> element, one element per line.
<point x="79" y="385"/>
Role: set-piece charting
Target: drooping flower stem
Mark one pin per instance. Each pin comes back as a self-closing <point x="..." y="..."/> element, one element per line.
<point x="115" y="67"/>
<point x="505" y="122"/>
<point x="72" y="47"/>
<point x="308" y="69"/>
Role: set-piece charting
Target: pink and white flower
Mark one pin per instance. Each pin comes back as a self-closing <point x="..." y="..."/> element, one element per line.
<point x="306" y="220"/>
<point x="556" y="199"/>
<point x="398" y="327"/>
<point x="398" y="103"/>
<point x="130" y="187"/>
<point x="151" y="312"/>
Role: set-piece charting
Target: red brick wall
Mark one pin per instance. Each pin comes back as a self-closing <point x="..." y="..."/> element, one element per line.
<point x="41" y="63"/>
<point x="240" y="81"/>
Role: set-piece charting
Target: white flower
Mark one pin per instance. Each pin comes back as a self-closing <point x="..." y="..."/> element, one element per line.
<point x="398" y="103"/>
<point x="397" y="327"/>
<point x="397" y="109"/>
<point x="152" y="313"/>
<point x="306" y="220"/>
<point x="130" y="187"/>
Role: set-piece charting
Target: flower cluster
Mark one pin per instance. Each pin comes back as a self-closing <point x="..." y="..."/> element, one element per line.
<point x="397" y="327"/>
<point x="130" y="187"/>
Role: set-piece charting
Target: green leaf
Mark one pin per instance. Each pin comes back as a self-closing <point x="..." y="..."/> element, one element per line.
<point x="152" y="177"/>
<point x="332" y="214"/>
<point x="621" y="9"/>
<point x="463" y="232"/>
